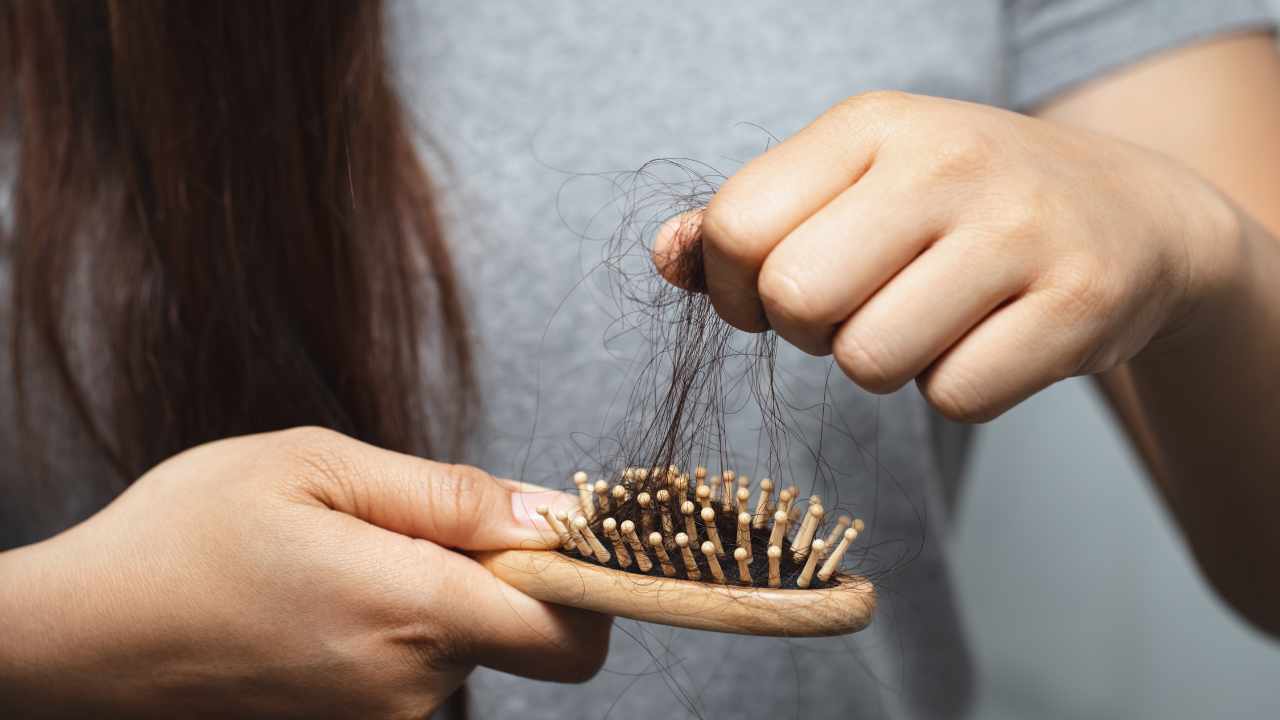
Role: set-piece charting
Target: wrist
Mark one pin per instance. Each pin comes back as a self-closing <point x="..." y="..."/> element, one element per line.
<point x="1214" y="250"/>
<point x="47" y="664"/>
<point x="25" y="655"/>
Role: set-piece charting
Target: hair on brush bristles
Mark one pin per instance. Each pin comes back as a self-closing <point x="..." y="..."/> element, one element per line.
<point x="697" y="398"/>
<point x="723" y="531"/>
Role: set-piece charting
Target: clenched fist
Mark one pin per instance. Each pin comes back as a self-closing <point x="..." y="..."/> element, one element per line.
<point x="983" y="253"/>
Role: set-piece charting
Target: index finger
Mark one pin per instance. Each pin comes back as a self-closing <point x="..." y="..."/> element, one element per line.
<point x="774" y="193"/>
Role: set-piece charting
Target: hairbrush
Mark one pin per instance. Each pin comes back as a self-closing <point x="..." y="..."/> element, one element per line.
<point x="655" y="546"/>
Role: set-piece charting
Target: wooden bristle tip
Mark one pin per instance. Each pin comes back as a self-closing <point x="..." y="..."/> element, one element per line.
<point x="727" y="497"/>
<point x="843" y="522"/>
<point x="691" y="570"/>
<point x="775" y="571"/>
<point x="690" y="527"/>
<point x="597" y="548"/>
<point x="806" y="575"/>
<point x="646" y="512"/>
<point x="784" y="500"/>
<point x="602" y="496"/>
<point x="703" y="493"/>
<point x="833" y="563"/>
<point x="610" y="527"/>
<point x="579" y="541"/>
<point x="713" y="563"/>
<point x="744" y="534"/>
<point x="743" y="556"/>
<point x="664" y="510"/>
<point x="812" y="519"/>
<point x="763" y="505"/>
<point x="779" y="532"/>
<point x="628" y="529"/>
<point x="655" y="541"/>
<point x="562" y="533"/>
<point x="585" y="498"/>
<point x="709" y="522"/>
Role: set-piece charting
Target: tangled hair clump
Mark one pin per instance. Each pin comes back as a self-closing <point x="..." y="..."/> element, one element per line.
<point x="694" y="373"/>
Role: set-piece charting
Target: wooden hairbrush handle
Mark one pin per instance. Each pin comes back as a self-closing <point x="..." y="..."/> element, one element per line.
<point x="557" y="578"/>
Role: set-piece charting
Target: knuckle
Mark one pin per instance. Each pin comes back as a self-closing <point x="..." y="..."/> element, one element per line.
<point x="316" y="453"/>
<point x="876" y="101"/>
<point x="958" y="397"/>
<point x="868" y="362"/>
<point x="1081" y="294"/>
<point x="309" y="436"/>
<point x="1024" y="216"/>
<point x="962" y="153"/>
<point x="782" y="294"/>
<point x="462" y="496"/>
<point x="730" y="229"/>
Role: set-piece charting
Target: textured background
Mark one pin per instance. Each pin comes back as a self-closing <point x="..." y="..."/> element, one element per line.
<point x="1081" y="600"/>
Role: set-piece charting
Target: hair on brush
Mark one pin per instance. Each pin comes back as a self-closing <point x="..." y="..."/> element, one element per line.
<point x="692" y="548"/>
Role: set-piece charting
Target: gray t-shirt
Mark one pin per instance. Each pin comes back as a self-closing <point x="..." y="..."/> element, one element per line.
<point x="529" y="106"/>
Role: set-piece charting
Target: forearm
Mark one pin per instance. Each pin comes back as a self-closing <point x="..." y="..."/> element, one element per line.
<point x="35" y="619"/>
<point x="1203" y="404"/>
<point x="66" y="648"/>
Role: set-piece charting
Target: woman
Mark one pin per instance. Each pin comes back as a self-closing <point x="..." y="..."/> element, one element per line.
<point x="220" y="227"/>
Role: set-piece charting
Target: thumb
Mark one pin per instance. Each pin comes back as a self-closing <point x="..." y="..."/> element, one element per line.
<point x="456" y="506"/>
<point x="677" y="251"/>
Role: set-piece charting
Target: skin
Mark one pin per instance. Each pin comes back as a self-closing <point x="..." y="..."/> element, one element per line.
<point x="1127" y="233"/>
<point x="298" y="573"/>
<point x="1210" y="452"/>
<point x="979" y="253"/>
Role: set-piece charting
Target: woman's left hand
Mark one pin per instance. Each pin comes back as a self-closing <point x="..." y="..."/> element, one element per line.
<point x="981" y="252"/>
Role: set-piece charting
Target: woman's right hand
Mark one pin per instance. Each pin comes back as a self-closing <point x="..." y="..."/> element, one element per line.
<point x="291" y="573"/>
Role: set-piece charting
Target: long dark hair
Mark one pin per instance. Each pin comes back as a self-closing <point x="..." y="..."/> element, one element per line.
<point x="220" y="225"/>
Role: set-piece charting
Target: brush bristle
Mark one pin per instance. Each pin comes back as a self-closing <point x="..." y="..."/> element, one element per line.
<point x="659" y="523"/>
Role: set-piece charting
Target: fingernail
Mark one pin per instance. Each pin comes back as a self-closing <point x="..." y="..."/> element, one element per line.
<point x="524" y="506"/>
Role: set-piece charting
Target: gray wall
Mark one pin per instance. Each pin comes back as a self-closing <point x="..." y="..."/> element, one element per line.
<point x="1080" y="598"/>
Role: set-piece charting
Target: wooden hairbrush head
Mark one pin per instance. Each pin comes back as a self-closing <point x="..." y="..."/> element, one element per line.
<point x="651" y="547"/>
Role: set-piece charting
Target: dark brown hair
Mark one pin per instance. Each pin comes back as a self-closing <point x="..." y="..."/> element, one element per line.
<point x="220" y="225"/>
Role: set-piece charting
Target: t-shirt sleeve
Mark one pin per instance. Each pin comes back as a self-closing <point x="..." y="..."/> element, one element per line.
<point x="1057" y="44"/>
